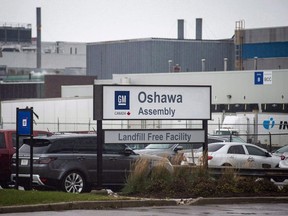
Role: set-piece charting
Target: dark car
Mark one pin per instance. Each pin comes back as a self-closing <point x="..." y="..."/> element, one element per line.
<point x="69" y="162"/>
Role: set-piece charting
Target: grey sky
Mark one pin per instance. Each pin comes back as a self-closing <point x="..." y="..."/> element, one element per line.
<point x="105" y="20"/>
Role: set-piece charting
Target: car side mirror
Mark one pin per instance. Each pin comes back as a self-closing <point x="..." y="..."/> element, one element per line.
<point x="128" y="151"/>
<point x="178" y="148"/>
<point x="268" y="154"/>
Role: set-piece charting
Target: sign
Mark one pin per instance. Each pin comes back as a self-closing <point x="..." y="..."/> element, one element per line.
<point x="153" y="102"/>
<point x="24" y="122"/>
<point x="263" y="78"/>
<point x="154" y="136"/>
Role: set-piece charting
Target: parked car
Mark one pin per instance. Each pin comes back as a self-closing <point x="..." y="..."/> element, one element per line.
<point x="7" y="149"/>
<point x="282" y="152"/>
<point x="170" y="151"/>
<point x="284" y="163"/>
<point x="174" y="152"/>
<point x="238" y="155"/>
<point x="69" y="162"/>
<point x="224" y="138"/>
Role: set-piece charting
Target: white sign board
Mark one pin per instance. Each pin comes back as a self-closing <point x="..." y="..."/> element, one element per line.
<point x="154" y="136"/>
<point x="156" y="102"/>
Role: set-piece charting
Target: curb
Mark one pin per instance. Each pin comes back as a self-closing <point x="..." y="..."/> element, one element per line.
<point x="237" y="200"/>
<point x="139" y="203"/>
<point x="87" y="205"/>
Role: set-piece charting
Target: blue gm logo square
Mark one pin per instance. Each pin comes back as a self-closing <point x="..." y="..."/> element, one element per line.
<point x="258" y="78"/>
<point x="122" y="100"/>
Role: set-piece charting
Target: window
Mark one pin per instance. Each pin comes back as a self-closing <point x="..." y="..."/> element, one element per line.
<point x="62" y="146"/>
<point x="159" y="146"/>
<point x="236" y="150"/>
<point x="113" y="149"/>
<point x="255" y="151"/>
<point x="86" y="145"/>
<point x="39" y="146"/>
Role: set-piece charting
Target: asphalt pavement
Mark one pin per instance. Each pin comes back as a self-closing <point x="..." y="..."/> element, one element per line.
<point x="136" y="202"/>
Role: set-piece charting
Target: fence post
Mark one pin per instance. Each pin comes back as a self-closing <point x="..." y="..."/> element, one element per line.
<point x="270" y="142"/>
<point x="58" y="126"/>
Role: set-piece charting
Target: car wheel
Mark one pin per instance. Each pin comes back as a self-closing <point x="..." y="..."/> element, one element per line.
<point x="226" y="164"/>
<point x="4" y="185"/>
<point x="73" y="182"/>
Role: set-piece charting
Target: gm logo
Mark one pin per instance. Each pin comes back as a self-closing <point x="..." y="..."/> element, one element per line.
<point x="122" y="100"/>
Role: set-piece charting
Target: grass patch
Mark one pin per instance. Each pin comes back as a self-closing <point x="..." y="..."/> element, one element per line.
<point x="11" y="197"/>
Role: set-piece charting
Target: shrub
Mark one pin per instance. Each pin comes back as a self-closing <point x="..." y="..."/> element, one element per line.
<point x="245" y="185"/>
<point x="136" y="181"/>
<point x="159" y="180"/>
<point x="265" y="186"/>
<point x="188" y="181"/>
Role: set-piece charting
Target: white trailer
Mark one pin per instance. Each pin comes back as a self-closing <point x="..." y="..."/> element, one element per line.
<point x="258" y="128"/>
<point x="272" y="126"/>
<point x="76" y="114"/>
<point x="60" y="115"/>
<point x="56" y="114"/>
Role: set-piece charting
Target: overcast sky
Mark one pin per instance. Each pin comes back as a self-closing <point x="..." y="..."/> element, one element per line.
<point x="106" y="20"/>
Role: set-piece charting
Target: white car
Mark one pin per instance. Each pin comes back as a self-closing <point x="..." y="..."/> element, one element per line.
<point x="283" y="164"/>
<point x="239" y="155"/>
<point x="282" y="152"/>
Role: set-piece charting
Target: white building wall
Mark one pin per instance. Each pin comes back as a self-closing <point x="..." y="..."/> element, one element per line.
<point x="51" y="60"/>
<point x="55" y="55"/>
<point x="239" y="84"/>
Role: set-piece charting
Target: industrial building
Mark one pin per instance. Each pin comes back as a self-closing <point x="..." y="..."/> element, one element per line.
<point x="248" y="49"/>
<point x="18" y="53"/>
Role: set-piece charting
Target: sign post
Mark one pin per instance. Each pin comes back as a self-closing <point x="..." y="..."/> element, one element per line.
<point x="24" y="127"/>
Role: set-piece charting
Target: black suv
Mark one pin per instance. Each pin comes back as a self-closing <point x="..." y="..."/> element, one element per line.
<point x="69" y="163"/>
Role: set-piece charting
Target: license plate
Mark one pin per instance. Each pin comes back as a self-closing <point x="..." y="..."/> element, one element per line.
<point x="24" y="162"/>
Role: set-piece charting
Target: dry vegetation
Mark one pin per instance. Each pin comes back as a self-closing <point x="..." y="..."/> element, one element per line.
<point x="190" y="182"/>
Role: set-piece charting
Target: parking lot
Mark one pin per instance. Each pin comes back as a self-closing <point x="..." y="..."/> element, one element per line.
<point x="278" y="209"/>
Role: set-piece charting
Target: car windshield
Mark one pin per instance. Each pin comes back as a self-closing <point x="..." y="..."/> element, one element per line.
<point x="237" y="139"/>
<point x="159" y="146"/>
<point x="282" y="150"/>
<point x="39" y="146"/>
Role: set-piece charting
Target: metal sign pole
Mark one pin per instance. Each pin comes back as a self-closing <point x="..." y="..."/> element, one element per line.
<point x="100" y="140"/>
<point x="24" y="127"/>
<point x="31" y="150"/>
<point x="17" y="153"/>
<point x="205" y="145"/>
